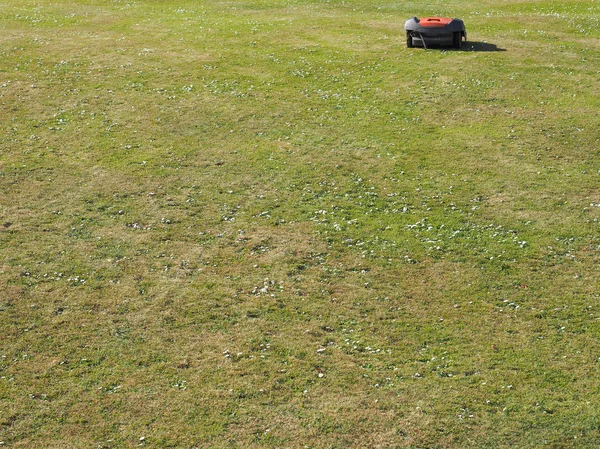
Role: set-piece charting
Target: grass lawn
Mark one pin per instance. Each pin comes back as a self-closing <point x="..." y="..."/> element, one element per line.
<point x="238" y="224"/>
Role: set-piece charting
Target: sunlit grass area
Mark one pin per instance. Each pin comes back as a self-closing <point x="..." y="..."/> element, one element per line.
<point x="271" y="224"/>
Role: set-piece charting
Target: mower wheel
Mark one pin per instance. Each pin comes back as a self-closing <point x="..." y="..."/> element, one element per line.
<point x="457" y="40"/>
<point x="409" y="41"/>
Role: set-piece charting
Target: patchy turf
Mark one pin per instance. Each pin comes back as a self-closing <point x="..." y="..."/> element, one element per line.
<point x="270" y="224"/>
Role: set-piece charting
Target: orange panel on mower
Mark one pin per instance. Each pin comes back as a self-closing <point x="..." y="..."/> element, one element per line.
<point x="435" y="21"/>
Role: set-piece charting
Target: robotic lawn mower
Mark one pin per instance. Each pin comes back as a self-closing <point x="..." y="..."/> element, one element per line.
<point x="435" y="31"/>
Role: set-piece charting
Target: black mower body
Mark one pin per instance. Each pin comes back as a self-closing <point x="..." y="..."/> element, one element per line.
<point x="435" y="32"/>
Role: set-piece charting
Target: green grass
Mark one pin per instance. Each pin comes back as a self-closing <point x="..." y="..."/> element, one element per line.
<point x="270" y="224"/>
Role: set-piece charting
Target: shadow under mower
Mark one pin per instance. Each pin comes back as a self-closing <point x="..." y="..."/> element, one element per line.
<point x="435" y="32"/>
